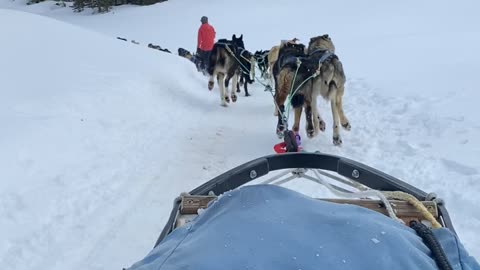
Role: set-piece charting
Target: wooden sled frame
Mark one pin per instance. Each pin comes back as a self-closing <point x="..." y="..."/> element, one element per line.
<point x="190" y="205"/>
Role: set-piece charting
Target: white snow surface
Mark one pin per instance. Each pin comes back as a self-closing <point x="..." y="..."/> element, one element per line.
<point x="98" y="135"/>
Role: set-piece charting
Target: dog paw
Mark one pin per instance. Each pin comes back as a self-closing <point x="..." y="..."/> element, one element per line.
<point x="337" y="141"/>
<point x="210" y="85"/>
<point x="227" y="99"/>
<point x="279" y="131"/>
<point x="310" y="132"/>
<point x="347" y="126"/>
<point x="247" y="94"/>
<point x="321" y="125"/>
<point x="234" y="98"/>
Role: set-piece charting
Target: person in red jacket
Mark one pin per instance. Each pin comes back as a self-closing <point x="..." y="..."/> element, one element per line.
<point x="206" y="40"/>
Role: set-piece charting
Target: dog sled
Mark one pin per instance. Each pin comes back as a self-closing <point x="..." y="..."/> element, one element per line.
<point x="248" y="219"/>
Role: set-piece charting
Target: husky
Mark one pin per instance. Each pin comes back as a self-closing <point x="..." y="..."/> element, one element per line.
<point x="246" y="72"/>
<point x="157" y="47"/>
<point x="288" y="78"/>
<point x="188" y="55"/>
<point x="223" y="65"/>
<point x="273" y="54"/>
<point x="329" y="84"/>
<point x="261" y="58"/>
<point x="320" y="73"/>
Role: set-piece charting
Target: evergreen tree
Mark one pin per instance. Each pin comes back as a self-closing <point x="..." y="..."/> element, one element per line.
<point x="78" y="5"/>
<point x="104" y="5"/>
<point x="101" y="6"/>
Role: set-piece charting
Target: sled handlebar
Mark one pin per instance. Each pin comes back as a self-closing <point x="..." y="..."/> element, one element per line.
<point x="353" y="170"/>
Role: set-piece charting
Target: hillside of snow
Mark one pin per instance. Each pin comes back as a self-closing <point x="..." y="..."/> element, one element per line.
<point x="100" y="135"/>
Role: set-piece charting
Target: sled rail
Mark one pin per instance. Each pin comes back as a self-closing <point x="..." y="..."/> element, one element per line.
<point x="191" y="204"/>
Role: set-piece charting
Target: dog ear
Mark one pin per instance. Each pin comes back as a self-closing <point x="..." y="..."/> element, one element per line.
<point x="241" y="36"/>
<point x="234" y="36"/>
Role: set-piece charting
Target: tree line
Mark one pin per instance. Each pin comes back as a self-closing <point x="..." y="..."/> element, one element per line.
<point x="100" y="6"/>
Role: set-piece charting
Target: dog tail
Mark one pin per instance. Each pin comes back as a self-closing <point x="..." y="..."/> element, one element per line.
<point x="337" y="80"/>
<point x="339" y="70"/>
<point x="298" y="100"/>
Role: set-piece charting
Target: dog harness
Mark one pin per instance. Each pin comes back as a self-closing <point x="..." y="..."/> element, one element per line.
<point x="325" y="54"/>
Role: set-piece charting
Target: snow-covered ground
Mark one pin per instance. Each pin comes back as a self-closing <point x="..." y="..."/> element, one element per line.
<point x="98" y="135"/>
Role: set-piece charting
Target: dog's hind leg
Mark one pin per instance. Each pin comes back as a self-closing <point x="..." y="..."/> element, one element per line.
<point x="239" y="83"/>
<point x="298" y="115"/>
<point x="285" y="79"/>
<point x="309" y="126"/>
<point x="245" y="87"/>
<point x="335" y="115"/>
<point x="282" y="121"/>
<point x="318" y="123"/>
<point x="221" y="89"/>
<point x="232" y="93"/>
<point x="231" y="76"/>
<point x="271" y="78"/>
<point x="336" y="131"/>
<point x="211" y="82"/>
<point x="275" y="91"/>
<point x="238" y="87"/>
<point x="343" y="119"/>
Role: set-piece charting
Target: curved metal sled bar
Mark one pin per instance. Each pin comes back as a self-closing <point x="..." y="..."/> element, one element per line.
<point x="256" y="168"/>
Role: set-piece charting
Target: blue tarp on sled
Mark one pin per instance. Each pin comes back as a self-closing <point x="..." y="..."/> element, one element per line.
<point x="272" y="228"/>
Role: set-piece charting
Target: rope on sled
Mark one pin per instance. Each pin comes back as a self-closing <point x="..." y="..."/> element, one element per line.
<point x="344" y="181"/>
<point x="299" y="173"/>
<point x="399" y="195"/>
<point x="363" y="192"/>
<point x="359" y="194"/>
<point x="384" y="196"/>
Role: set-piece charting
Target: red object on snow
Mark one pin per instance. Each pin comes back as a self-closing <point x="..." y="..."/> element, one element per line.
<point x="291" y="143"/>
<point x="280" y="148"/>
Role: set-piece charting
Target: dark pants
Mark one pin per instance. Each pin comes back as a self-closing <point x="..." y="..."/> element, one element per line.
<point x="203" y="59"/>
